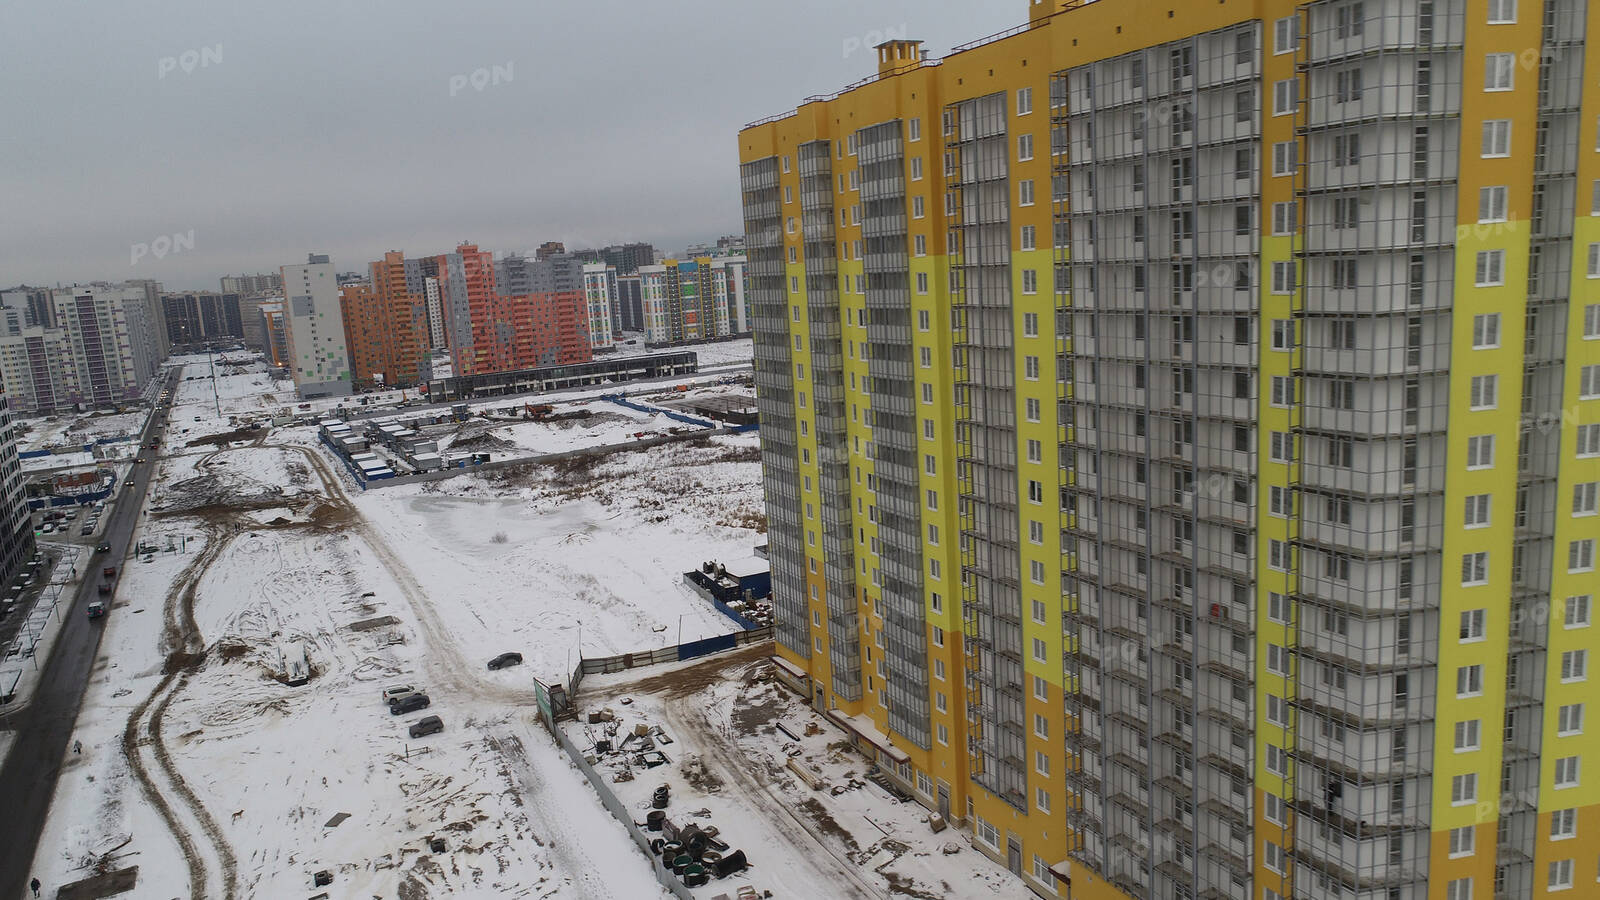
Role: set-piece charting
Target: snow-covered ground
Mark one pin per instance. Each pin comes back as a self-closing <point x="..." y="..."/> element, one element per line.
<point x="728" y="767"/>
<point x="715" y="353"/>
<point x="75" y="430"/>
<point x="205" y="770"/>
<point x="525" y="560"/>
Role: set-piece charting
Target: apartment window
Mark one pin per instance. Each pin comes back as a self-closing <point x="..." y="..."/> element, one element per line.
<point x="1464" y="789"/>
<point x="1278" y="555"/>
<point x="916" y="168"/>
<point x="1285" y="157"/>
<point x="920" y="243"/>
<point x="1577" y="612"/>
<point x="1341" y="453"/>
<point x="1285" y="34"/>
<point x="1584" y="497"/>
<point x="1580" y="555"/>
<point x="1498" y="71"/>
<point x="1588" y="441"/>
<point x="1346" y="212"/>
<point x="922" y="282"/>
<point x="1458" y="888"/>
<point x="1031" y="367"/>
<point x="1468" y="735"/>
<point x="1277" y="761"/>
<point x="1281" y="447"/>
<point x="1348" y="20"/>
<point x="1575" y="665"/>
<point x="1024" y="147"/>
<point x="1569" y="720"/>
<point x="1030" y="281"/>
<point x="1589" y="382"/>
<point x="1278" y="608"/>
<point x="1480" y="451"/>
<point x="1273" y="856"/>
<point x="1282" y="390"/>
<point x="1342" y="274"/>
<point x="1284" y="218"/>
<point x="1035" y="492"/>
<point x="1030" y="325"/>
<point x="1474" y="568"/>
<point x="1563" y="824"/>
<point x="1285" y="96"/>
<point x="927" y="393"/>
<point x="1027" y="237"/>
<point x="1485" y="331"/>
<point x="1485" y="390"/>
<point x="1496" y="139"/>
<point x="1024" y="101"/>
<point x="1282" y="334"/>
<point x="1566" y="772"/>
<point x="1477" y="510"/>
<point x="1041" y="726"/>
<point x="1025" y="192"/>
<point x="1280" y="501"/>
<point x="1472" y="625"/>
<point x="918" y="207"/>
<point x="1560" y="875"/>
<point x="1492" y="204"/>
<point x="1490" y="270"/>
<point x="1347" y="85"/>
<point x="1502" y="12"/>
<point x="1283" y="281"/>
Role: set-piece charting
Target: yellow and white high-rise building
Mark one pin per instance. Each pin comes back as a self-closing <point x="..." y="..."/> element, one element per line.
<point x="1181" y="440"/>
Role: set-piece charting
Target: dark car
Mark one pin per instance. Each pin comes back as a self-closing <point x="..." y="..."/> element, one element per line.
<point x="105" y="547"/>
<point x="409" y="703"/>
<point x="505" y="660"/>
<point x="426" y="725"/>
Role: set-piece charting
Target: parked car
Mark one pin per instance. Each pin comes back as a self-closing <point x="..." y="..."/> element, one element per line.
<point x="409" y="703"/>
<point x="505" y="660"/>
<point x="426" y="725"/>
<point x="396" y="691"/>
<point x="109" y="571"/>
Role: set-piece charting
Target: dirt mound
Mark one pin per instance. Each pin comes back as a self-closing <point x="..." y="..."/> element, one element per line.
<point x="479" y="436"/>
<point x="181" y="660"/>
<point x="228" y="437"/>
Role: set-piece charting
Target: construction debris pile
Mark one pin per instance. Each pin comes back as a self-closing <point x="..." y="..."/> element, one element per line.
<point x="689" y="846"/>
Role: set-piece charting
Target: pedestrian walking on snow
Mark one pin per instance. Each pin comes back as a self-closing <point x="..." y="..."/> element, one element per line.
<point x="77" y="746"/>
<point x="35" y="885"/>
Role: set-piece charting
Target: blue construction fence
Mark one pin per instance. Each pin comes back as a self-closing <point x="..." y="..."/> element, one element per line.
<point x="75" y="499"/>
<point x="675" y="653"/>
<point x="708" y="588"/>
<point x="75" y="448"/>
<point x="620" y="400"/>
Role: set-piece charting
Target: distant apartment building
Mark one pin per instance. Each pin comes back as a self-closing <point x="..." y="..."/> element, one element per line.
<point x="629" y="312"/>
<point x="313" y="329"/>
<point x="489" y="315"/>
<point x="243" y="285"/>
<point x="250" y="321"/>
<point x="24" y="306"/>
<point x="38" y="370"/>
<point x="198" y="316"/>
<point x="627" y="258"/>
<point x="694" y="300"/>
<point x="549" y="249"/>
<point x="600" y="299"/>
<point x="386" y="323"/>
<point x="274" y="332"/>
<point x="16" y="528"/>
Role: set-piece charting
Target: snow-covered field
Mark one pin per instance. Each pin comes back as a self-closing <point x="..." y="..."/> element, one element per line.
<point x="216" y="779"/>
<point x="72" y="430"/>
<point x="525" y="560"/>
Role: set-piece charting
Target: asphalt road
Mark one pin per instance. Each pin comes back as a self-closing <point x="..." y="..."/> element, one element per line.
<point x="44" y="725"/>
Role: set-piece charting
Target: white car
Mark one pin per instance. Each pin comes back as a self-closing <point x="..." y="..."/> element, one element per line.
<point x="395" y="692"/>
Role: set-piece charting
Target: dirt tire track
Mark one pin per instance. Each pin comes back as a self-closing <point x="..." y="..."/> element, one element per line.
<point x="454" y="677"/>
<point x="180" y="634"/>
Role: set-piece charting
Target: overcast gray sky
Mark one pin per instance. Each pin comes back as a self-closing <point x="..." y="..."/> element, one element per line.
<point x="335" y="125"/>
